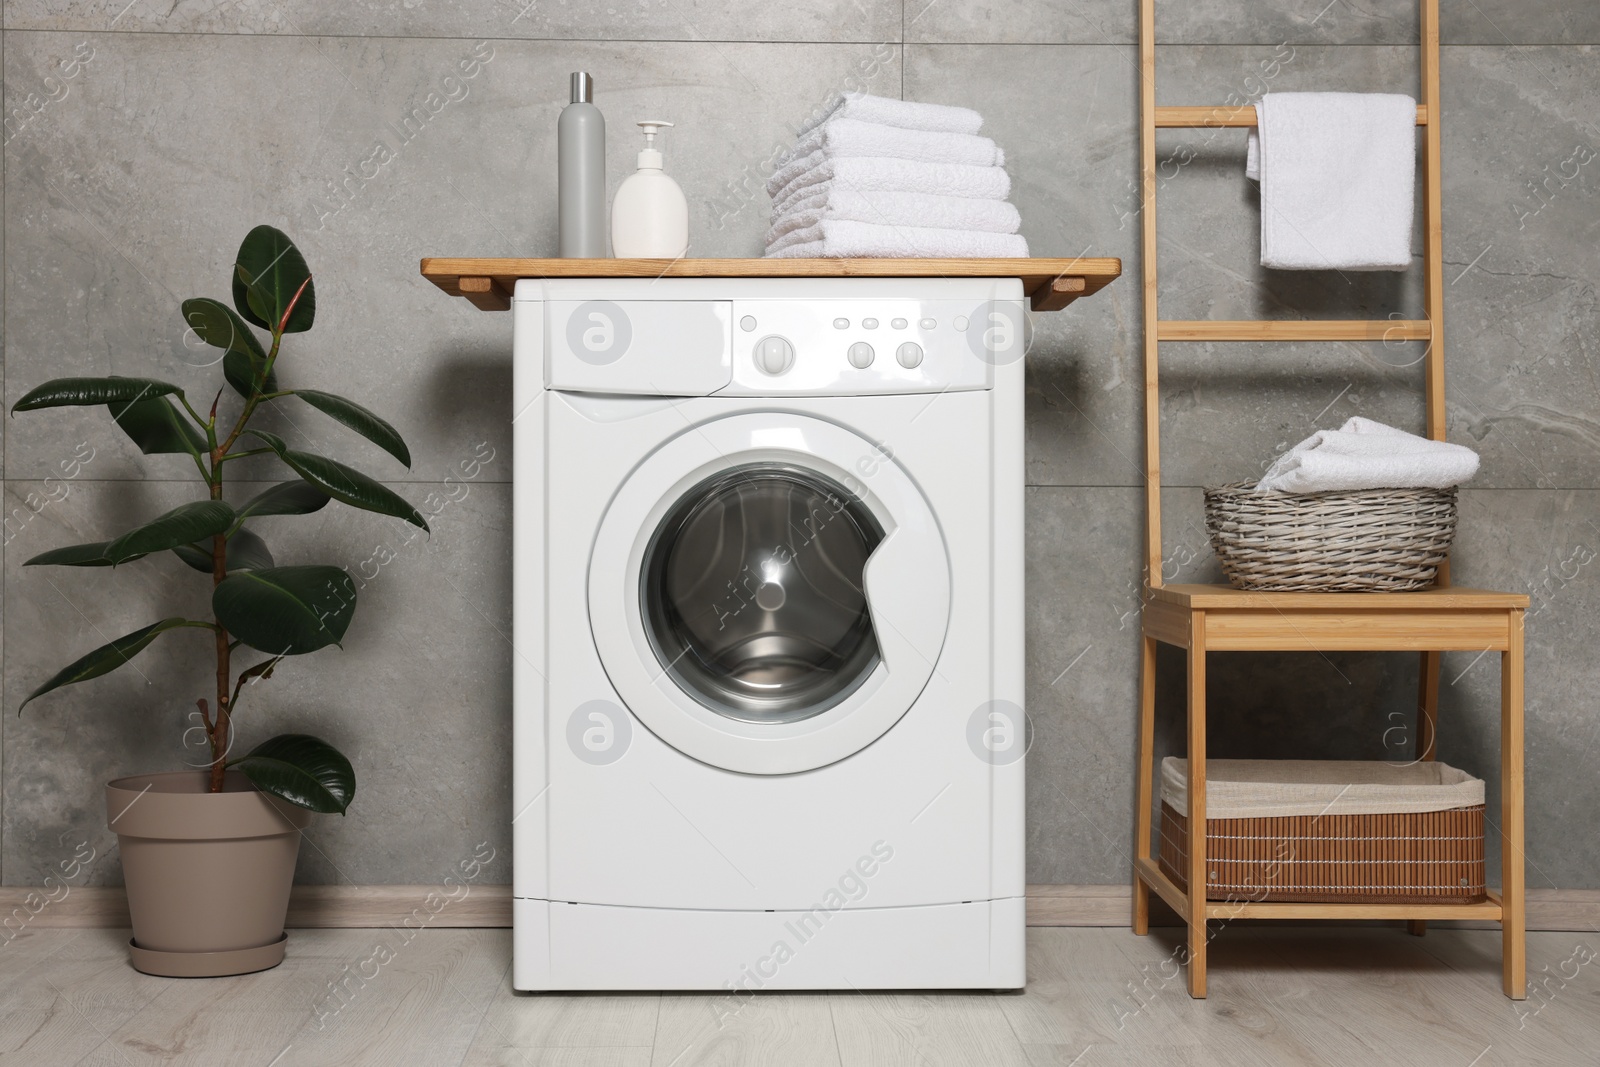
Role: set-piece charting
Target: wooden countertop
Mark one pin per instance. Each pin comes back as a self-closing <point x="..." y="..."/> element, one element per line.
<point x="1051" y="284"/>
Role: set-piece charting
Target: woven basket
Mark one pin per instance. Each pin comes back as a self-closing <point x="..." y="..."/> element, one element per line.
<point x="1433" y="857"/>
<point x="1364" y="540"/>
<point x="1330" y="830"/>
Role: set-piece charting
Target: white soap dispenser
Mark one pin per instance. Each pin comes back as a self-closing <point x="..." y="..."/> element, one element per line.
<point x="649" y="217"/>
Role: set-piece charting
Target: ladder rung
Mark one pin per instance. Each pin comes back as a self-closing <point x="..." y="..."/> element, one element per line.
<point x="1294" y="330"/>
<point x="1195" y="117"/>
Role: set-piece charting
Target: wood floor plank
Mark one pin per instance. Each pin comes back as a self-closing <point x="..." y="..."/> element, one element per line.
<point x="340" y="997"/>
<point x="923" y="1030"/>
<point x="774" y="1030"/>
<point x="568" y="1020"/>
<point x="1081" y="988"/>
<point x="614" y="1056"/>
<point x="1279" y="997"/>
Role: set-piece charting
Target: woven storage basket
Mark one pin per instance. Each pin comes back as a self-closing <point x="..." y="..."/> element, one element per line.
<point x="1365" y="540"/>
<point x="1336" y="851"/>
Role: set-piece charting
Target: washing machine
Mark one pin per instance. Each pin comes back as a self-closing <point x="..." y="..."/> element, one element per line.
<point x="768" y="634"/>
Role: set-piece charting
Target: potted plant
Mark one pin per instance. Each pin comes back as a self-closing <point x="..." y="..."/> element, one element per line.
<point x="208" y="856"/>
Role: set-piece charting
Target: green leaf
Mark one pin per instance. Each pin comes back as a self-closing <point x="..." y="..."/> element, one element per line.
<point x="241" y="373"/>
<point x="360" y="420"/>
<point x="216" y="324"/>
<point x="183" y="524"/>
<point x="106" y="658"/>
<point x="285" y="498"/>
<point x="156" y="426"/>
<point x="303" y="770"/>
<point x="286" y="611"/>
<point x="344" y="484"/>
<point x="267" y="272"/>
<point x="92" y="554"/>
<point x="64" y="392"/>
<point x="246" y="552"/>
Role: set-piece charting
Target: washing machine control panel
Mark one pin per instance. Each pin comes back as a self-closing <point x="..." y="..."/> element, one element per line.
<point x="885" y="345"/>
<point x="770" y="337"/>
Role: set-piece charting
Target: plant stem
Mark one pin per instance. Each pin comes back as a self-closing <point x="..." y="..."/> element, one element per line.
<point x="246" y="452"/>
<point x="222" y="731"/>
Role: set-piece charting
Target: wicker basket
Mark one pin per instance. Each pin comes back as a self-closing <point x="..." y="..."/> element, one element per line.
<point x="1367" y="540"/>
<point x="1358" y="858"/>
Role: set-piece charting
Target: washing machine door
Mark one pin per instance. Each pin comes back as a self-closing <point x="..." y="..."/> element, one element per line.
<point x="769" y="592"/>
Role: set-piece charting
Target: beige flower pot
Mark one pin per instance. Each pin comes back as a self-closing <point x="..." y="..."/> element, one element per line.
<point x="208" y="874"/>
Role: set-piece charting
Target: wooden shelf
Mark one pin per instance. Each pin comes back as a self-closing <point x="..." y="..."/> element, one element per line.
<point x="1216" y="618"/>
<point x="1173" y="118"/>
<point x="1446" y="597"/>
<point x="1178" y="900"/>
<point x="1051" y="284"/>
<point x="1294" y="330"/>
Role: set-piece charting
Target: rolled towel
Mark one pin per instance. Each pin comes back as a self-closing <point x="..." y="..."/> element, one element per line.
<point x="845" y="138"/>
<point x="843" y="239"/>
<point x="906" y="114"/>
<point x="896" y="209"/>
<point x="1337" y="173"/>
<point x="1363" y="454"/>
<point x="816" y="173"/>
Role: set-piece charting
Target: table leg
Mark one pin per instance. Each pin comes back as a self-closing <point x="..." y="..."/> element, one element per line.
<point x="1146" y="772"/>
<point x="1427" y="734"/>
<point x="1512" y="861"/>
<point x="1197" y="805"/>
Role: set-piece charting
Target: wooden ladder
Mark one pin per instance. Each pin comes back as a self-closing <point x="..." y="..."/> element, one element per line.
<point x="1205" y="618"/>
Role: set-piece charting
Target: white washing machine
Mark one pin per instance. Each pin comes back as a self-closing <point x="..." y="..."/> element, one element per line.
<point x="768" y="619"/>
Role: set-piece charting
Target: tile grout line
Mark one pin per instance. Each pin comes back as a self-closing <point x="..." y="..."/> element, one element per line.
<point x="613" y="41"/>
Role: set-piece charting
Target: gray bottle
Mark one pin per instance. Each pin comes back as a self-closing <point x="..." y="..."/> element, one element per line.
<point x="581" y="150"/>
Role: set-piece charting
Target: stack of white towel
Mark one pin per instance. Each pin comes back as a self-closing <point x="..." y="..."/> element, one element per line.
<point x="1363" y="454"/>
<point x="875" y="176"/>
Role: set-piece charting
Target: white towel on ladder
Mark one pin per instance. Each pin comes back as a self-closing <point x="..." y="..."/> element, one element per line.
<point x="1338" y="174"/>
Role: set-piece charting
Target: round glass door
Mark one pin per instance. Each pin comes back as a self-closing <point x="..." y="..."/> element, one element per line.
<point x="752" y="593"/>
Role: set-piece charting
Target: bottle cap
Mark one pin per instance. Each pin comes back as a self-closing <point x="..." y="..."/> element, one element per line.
<point x="582" y="88"/>
<point x="650" y="157"/>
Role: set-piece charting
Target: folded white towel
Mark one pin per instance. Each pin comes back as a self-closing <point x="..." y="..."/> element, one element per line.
<point x="1363" y="454"/>
<point x="841" y="138"/>
<point x="843" y="238"/>
<point x="1337" y="173"/>
<point x="906" y="114"/>
<point x="816" y="173"/>
<point x="896" y="209"/>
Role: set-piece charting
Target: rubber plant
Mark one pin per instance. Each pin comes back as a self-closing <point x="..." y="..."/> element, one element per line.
<point x="256" y="605"/>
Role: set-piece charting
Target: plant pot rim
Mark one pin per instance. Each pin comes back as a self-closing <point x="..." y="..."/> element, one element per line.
<point x="177" y="805"/>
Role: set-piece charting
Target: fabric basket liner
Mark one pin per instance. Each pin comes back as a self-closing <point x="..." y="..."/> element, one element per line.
<point x="1254" y="789"/>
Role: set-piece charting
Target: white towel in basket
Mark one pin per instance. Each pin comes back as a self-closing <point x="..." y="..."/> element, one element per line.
<point x="1363" y="454"/>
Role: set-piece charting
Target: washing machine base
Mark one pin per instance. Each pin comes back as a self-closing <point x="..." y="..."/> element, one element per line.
<point x="566" y="946"/>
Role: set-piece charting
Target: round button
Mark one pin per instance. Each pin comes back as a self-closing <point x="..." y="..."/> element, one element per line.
<point x="869" y="324"/>
<point x="898" y="324"/>
<point x="748" y="324"/>
<point x="861" y="355"/>
<point x="774" y="355"/>
<point x="960" y="324"/>
<point x="841" y="324"/>
<point x="927" y="324"/>
<point x="909" y="354"/>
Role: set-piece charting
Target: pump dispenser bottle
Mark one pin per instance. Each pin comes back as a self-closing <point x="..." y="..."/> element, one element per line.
<point x="581" y="173"/>
<point x="650" y="217"/>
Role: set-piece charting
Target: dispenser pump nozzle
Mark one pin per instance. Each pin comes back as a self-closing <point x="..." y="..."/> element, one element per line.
<point x="650" y="157"/>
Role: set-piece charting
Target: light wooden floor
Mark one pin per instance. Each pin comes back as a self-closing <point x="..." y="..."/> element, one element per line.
<point x="1279" y="996"/>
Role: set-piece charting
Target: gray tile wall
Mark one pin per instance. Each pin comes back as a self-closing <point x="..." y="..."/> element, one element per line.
<point x="143" y="139"/>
